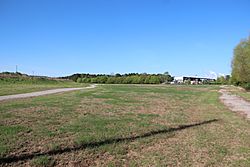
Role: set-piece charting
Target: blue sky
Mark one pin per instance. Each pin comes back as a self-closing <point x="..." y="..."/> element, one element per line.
<point x="61" y="37"/>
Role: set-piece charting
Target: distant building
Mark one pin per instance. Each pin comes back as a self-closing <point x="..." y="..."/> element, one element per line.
<point x="192" y="80"/>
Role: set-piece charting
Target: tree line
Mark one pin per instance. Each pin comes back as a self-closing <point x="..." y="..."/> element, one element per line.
<point x="131" y="78"/>
<point x="223" y="80"/>
<point x="241" y="64"/>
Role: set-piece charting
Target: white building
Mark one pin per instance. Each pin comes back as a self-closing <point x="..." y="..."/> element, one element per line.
<point x="192" y="79"/>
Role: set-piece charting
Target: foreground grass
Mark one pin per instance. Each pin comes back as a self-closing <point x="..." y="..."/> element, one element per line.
<point x="9" y="88"/>
<point x="124" y="125"/>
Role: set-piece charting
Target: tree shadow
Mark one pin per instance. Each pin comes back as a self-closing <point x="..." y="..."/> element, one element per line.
<point x="27" y="156"/>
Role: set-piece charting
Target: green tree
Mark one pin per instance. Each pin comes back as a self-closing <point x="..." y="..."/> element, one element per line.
<point x="119" y="80"/>
<point x="79" y="80"/>
<point x="93" y="80"/>
<point x="147" y="80"/>
<point x="154" y="80"/>
<point x="166" y="77"/>
<point x="111" y="80"/>
<point x="86" y="80"/>
<point x="101" y="79"/>
<point x="128" y="79"/>
<point x="241" y="63"/>
<point x="136" y="79"/>
<point x="221" y="80"/>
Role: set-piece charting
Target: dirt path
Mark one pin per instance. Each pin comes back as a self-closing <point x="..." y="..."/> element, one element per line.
<point x="235" y="103"/>
<point x="41" y="93"/>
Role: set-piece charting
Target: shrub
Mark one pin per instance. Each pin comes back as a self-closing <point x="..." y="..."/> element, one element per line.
<point x="79" y="80"/>
<point x="246" y="86"/>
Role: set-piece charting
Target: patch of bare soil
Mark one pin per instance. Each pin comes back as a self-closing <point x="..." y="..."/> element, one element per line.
<point x="235" y="103"/>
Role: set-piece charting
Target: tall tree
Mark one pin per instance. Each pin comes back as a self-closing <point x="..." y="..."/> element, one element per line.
<point x="241" y="63"/>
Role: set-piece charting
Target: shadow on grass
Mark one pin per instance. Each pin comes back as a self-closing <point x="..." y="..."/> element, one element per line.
<point x="16" y="158"/>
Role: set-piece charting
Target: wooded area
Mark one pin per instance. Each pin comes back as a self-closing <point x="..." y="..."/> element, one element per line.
<point x="132" y="78"/>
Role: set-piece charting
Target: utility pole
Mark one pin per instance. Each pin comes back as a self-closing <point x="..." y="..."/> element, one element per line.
<point x="16" y="68"/>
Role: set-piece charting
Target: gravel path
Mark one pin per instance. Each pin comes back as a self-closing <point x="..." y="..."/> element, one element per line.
<point x="41" y="93"/>
<point x="235" y="103"/>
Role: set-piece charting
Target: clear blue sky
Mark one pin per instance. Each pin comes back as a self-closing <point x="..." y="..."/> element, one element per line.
<point x="61" y="37"/>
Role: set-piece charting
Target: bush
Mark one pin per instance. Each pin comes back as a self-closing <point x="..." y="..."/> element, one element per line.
<point x="86" y="80"/>
<point x="246" y="86"/>
<point x="101" y="79"/>
<point x="79" y="80"/>
<point x="154" y="80"/>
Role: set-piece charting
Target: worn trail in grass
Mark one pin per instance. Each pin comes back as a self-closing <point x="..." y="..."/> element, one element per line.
<point x="239" y="92"/>
<point x="18" y="87"/>
<point x="234" y="102"/>
<point x="124" y="125"/>
<point x="43" y="93"/>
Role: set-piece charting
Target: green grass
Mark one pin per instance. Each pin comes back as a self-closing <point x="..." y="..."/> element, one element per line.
<point x="9" y="134"/>
<point x="125" y="125"/>
<point x="43" y="161"/>
<point x="14" y="86"/>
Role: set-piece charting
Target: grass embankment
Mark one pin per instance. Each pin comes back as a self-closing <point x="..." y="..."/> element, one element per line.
<point x="239" y="92"/>
<point x="124" y="125"/>
<point x="10" y="86"/>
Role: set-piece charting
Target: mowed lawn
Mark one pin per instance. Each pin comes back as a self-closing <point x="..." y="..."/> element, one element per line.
<point x="124" y="125"/>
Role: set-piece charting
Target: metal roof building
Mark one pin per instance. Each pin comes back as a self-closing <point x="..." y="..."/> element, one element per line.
<point x="192" y="79"/>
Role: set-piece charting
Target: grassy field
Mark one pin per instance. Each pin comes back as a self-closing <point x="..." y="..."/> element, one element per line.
<point x="124" y="125"/>
<point x="15" y="87"/>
